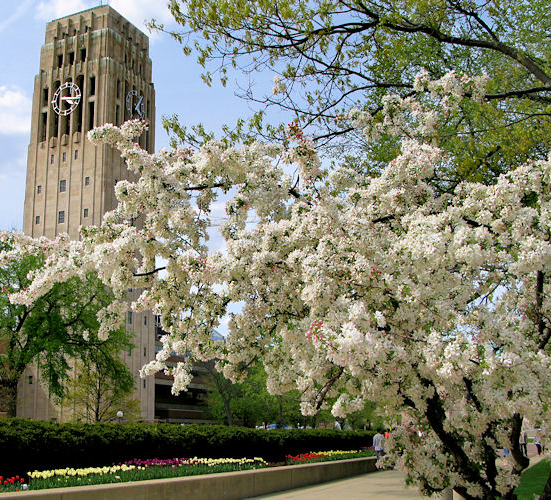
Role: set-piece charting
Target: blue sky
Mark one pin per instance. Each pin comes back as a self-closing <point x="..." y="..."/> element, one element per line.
<point x="179" y="88"/>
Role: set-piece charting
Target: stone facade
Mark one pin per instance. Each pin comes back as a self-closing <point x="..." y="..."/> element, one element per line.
<point x="70" y="182"/>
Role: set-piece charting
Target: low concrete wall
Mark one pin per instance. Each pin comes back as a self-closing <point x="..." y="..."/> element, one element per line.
<point x="226" y="486"/>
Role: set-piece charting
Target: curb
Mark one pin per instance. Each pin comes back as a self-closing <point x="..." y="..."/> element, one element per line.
<point x="221" y="486"/>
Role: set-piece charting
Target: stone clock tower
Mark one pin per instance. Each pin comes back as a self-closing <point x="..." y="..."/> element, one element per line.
<point x="94" y="69"/>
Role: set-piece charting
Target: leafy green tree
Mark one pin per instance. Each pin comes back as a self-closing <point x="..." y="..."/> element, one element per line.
<point x="102" y="384"/>
<point x="334" y="55"/>
<point x="249" y="403"/>
<point x="57" y="327"/>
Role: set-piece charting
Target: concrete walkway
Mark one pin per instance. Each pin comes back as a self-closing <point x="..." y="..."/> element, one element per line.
<point x="383" y="485"/>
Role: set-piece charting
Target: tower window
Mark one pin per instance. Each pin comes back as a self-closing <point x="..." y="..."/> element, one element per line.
<point x="44" y="97"/>
<point x="118" y="89"/>
<point x="61" y="217"/>
<point x="43" y="127"/>
<point x="30" y="379"/>
<point x="60" y="60"/>
<point x="91" y="118"/>
<point x="129" y="317"/>
<point x="64" y="156"/>
<point x="144" y="352"/>
<point x="83" y="51"/>
<point x="144" y="384"/>
<point x="87" y="181"/>
<point x="52" y="159"/>
<point x="71" y="57"/>
<point x="62" y="186"/>
<point x="85" y="212"/>
<point x="92" y="85"/>
<point x="76" y="154"/>
<point x="39" y="189"/>
<point x="145" y="320"/>
<point x="37" y="219"/>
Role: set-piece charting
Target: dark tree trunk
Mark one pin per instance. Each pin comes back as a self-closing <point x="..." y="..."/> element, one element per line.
<point x="9" y="393"/>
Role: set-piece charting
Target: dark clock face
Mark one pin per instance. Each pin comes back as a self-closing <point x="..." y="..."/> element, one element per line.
<point x="134" y="104"/>
<point x="66" y="98"/>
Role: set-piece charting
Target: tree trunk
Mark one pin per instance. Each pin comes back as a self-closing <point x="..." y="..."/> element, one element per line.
<point x="227" y="408"/>
<point x="9" y="390"/>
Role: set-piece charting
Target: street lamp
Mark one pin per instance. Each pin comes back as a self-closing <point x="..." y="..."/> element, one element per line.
<point x="120" y="414"/>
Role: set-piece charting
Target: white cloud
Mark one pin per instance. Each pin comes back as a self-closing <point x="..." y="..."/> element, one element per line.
<point x="136" y="11"/>
<point x="15" y="111"/>
<point x="19" y="11"/>
<point x="52" y="9"/>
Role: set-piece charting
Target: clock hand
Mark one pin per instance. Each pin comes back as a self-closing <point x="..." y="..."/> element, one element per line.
<point x="137" y="106"/>
<point x="69" y="99"/>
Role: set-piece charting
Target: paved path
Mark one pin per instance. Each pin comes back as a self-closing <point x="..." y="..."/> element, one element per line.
<point x="383" y="485"/>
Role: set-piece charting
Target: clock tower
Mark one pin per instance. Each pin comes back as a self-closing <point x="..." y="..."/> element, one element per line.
<point x="94" y="69"/>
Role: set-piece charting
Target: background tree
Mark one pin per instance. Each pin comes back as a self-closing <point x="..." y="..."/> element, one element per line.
<point x="59" y="326"/>
<point x="101" y="384"/>
<point x="248" y="403"/>
<point x="329" y="56"/>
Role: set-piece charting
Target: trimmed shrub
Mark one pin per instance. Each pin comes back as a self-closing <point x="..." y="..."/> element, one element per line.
<point x="34" y="445"/>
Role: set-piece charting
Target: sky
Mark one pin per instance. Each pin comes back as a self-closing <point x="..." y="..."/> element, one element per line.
<point x="178" y="85"/>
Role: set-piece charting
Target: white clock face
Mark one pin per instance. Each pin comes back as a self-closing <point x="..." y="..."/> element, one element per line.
<point x="66" y="98"/>
<point x="134" y="104"/>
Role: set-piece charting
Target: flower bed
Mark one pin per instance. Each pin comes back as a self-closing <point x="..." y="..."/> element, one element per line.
<point x="325" y="456"/>
<point x="139" y="470"/>
<point x="133" y="470"/>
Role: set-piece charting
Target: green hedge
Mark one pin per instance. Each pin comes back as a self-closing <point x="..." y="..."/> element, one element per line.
<point x="33" y="445"/>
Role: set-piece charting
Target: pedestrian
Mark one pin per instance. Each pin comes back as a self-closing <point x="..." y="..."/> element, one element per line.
<point x="537" y="442"/>
<point x="378" y="440"/>
<point x="524" y="443"/>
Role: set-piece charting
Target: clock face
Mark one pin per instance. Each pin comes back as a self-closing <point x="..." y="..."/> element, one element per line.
<point x="66" y="98"/>
<point x="134" y="104"/>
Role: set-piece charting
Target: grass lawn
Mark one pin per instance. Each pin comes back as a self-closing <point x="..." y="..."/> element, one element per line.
<point x="533" y="480"/>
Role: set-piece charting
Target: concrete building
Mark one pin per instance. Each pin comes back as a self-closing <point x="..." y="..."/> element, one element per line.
<point x="94" y="69"/>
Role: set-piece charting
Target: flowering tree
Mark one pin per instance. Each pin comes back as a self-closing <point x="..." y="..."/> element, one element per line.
<point x="352" y="288"/>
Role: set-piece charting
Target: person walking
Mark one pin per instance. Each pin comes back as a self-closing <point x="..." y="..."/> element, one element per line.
<point x="378" y="445"/>
<point x="524" y="443"/>
<point x="537" y="442"/>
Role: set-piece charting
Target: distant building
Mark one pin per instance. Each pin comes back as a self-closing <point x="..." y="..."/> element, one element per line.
<point x="94" y="69"/>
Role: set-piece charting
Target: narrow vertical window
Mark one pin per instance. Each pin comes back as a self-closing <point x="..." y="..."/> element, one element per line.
<point x="91" y="118"/>
<point x="61" y="217"/>
<point x="129" y="317"/>
<point x="144" y="384"/>
<point x="62" y="186"/>
<point x="83" y="51"/>
<point x="144" y="352"/>
<point x="45" y="97"/>
<point x="71" y="57"/>
<point x="92" y="85"/>
<point x="30" y="379"/>
<point x="39" y="189"/>
<point x="76" y="154"/>
<point x="87" y="181"/>
<point x="85" y="212"/>
<point x="60" y="60"/>
<point x="145" y="320"/>
<point x="52" y="159"/>
<point x="64" y="156"/>
<point x="43" y="126"/>
<point x="37" y="219"/>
